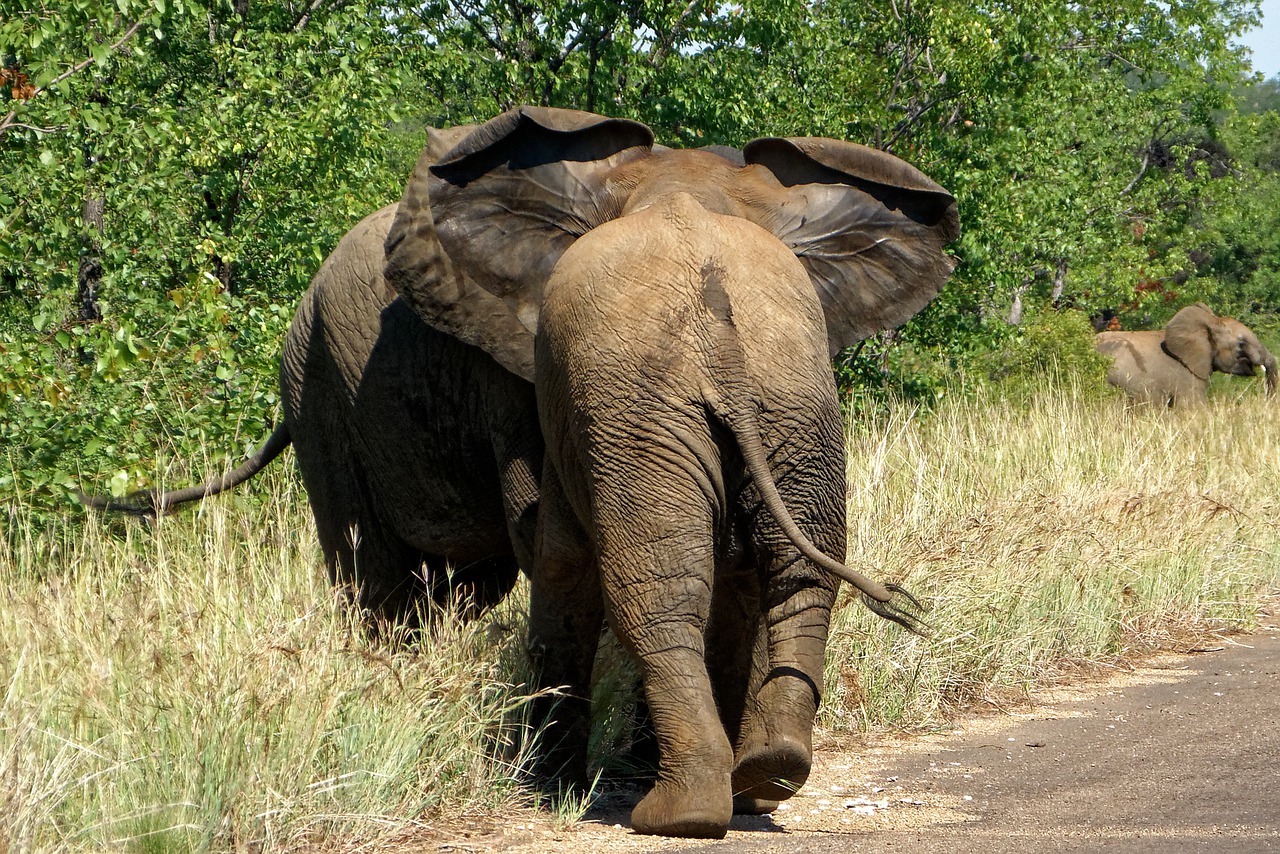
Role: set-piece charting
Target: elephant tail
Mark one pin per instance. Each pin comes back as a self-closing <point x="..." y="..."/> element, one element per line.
<point x="887" y="600"/>
<point x="148" y="502"/>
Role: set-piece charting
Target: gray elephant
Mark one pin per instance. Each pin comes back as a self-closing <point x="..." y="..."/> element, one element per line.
<point x="419" y="451"/>
<point x="1171" y="366"/>
<point x="694" y="486"/>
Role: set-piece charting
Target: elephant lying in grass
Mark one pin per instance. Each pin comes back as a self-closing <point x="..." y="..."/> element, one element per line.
<point x="1171" y="366"/>
<point x="420" y="453"/>
<point x="694" y="487"/>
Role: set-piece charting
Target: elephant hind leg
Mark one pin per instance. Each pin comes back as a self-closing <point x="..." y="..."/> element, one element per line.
<point x="379" y="571"/>
<point x="775" y="746"/>
<point x="657" y="565"/>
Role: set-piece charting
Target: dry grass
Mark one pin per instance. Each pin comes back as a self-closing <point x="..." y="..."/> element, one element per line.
<point x="198" y="687"/>
<point x="1070" y="530"/>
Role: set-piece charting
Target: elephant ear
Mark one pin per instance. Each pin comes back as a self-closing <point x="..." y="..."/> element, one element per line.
<point x="514" y="195"/>
<point x="1187" y="339"/>
<point x="868" y="228"/>
<point x="434" y="287"/>
<point x="440" y="141"/>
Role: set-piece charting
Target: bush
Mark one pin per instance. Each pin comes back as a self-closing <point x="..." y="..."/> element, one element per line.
<point x="1049" y="349"/>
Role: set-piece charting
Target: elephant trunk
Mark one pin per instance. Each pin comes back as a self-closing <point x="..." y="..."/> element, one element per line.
<point x="1268" y="364"/>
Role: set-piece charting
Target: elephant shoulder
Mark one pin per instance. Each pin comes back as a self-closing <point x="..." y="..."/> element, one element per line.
<point x="356" y="263"/>
<point x="339" y="318"/>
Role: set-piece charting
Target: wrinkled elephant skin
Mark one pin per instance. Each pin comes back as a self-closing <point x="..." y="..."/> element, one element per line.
<point x="693" y="493"/>
<point x="420" y="454"/>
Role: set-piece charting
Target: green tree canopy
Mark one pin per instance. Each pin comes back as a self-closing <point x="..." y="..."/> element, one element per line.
<point x="175" y="170"/>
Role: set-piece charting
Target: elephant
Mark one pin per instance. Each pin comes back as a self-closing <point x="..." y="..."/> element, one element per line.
<point x="419" y="451"/>
<point x="385" y="405"/>
<point x="1171" y="366"/>
<point x="693" y="487"/>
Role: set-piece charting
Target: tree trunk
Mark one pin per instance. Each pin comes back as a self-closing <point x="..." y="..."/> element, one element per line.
<point x="89" y="278"/>
<point x="1059" y="280"/>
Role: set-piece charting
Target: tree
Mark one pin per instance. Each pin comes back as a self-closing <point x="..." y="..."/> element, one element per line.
<point x="182" y="166"/>
<point x="174" y="173"/>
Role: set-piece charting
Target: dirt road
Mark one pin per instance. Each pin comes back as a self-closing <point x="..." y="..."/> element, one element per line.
<point x="1180" y="755"/>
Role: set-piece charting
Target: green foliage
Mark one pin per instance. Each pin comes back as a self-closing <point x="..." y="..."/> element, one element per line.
<point x="1050" y="349"/>
<point x="225" y="151"/>
<point x="181" y="167"/>
<point x="1235" y="250"/>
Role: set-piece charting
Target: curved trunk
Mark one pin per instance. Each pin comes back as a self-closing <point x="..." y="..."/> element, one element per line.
<point x="1268" y="364"/>
<point x="150" y="503"/>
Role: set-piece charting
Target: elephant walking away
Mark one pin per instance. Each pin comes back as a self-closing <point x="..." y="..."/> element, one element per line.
<point x="420" y="452"/>
<point x="694" y="487"/>
<point x="1171" y="366"/>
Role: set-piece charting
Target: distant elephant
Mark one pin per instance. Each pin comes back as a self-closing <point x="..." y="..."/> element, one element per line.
<point x="420" y="453"/>
<point x="694" y="484"/>
<point x="1171" y="366"/>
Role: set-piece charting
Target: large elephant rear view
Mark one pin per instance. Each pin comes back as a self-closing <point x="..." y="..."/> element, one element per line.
<point x="687" y="307"/>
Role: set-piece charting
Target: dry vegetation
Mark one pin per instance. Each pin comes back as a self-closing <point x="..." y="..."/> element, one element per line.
<point x="1069" y="531"/>
<point x="198" y="687"/>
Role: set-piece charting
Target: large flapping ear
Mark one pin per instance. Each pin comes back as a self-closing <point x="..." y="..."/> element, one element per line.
<point x="1187" y="339"/>
<point x="869" y="229"/>
<point x="514" y="195"/>
<point x="438" y="291"/>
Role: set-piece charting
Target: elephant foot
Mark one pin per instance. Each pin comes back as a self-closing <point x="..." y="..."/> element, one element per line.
<point x="772" y="770"/>
<point x="697" y="808"/>
<point x="753" y="806"/>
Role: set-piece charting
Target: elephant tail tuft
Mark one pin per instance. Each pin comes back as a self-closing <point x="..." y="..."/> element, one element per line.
<point x="148" y="502"/>
<point x="902" y="608"/>
<point x="887" y="600"/>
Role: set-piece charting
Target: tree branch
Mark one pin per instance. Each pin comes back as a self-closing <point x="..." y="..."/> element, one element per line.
<point x="909" y="123"/>
<point x="9" y="121"/>
<point x="315" y="6"/>
<point x="495" y="40"/>
<point x="664" y="45"/>
<point x="1146" y="161"/>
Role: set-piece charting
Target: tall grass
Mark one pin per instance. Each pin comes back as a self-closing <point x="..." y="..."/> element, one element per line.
<point x="197" y="685"/>
<point x="1045" y="534"/>
<point x="200" y="687"/>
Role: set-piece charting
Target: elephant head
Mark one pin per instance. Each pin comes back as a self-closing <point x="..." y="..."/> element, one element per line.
<point x="508" y="201"/>
<point x="1205" y="342"/>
